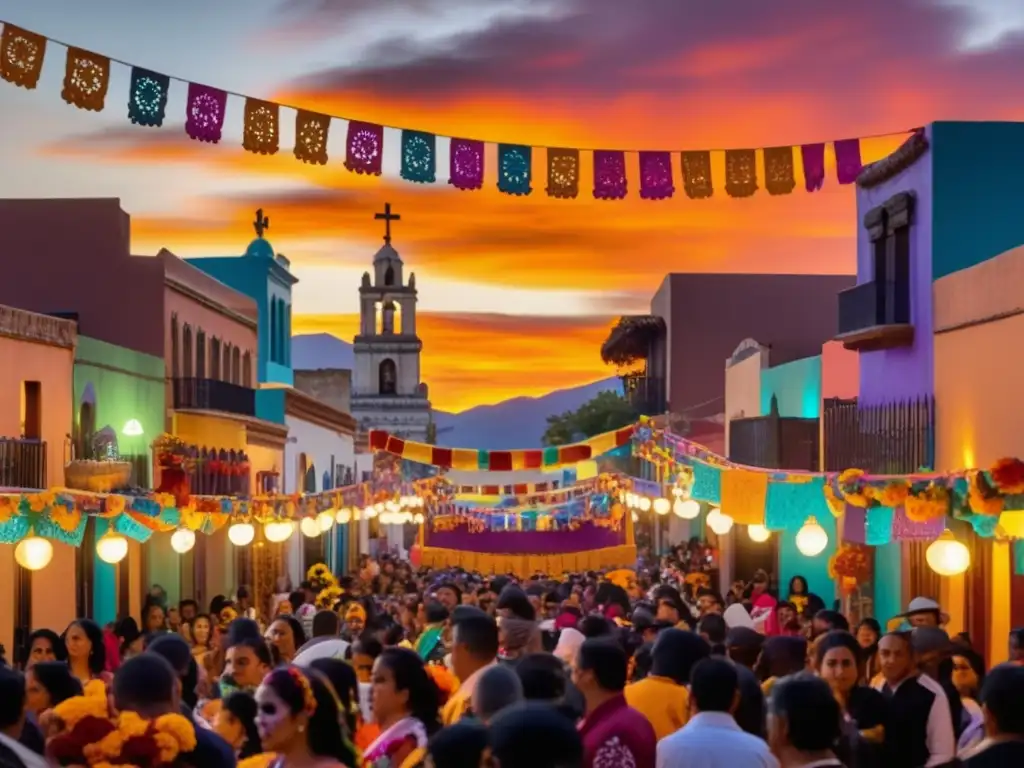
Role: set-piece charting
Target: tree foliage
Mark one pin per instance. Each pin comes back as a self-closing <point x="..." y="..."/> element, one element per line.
<point x="606" y="411"/>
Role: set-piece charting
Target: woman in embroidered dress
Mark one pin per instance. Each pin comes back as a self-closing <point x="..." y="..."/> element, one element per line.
<point x="299" y="720"/>
<point x="87" y="655"/>
<point x="405" y="706"/>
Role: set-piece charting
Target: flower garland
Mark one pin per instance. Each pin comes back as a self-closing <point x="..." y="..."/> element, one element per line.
<point x="851" y="566"/>
<point x="328" y="597"/>
<point x="88" y="734"/>
<point x="320" y="577"/>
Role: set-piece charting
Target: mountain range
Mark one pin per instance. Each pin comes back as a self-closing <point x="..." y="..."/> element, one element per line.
<point x="515" y="423"/>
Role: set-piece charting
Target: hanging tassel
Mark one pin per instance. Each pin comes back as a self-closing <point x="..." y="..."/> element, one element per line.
<point x="813" y="156"/>
<point x="656" y="176"/>
<point x="419" y="157"/>
<point x="610" y="175"/>
<point x="563" y="173"/>
<point x="697" y="175"/>
<point x="21" y="56"/>
<point x="86" y="78"/>
<point x="204" y="117"/>
<point x="740" y="172"/>
<point x="364" y="150"/>
<point x="515" y="172"/>
<point x="311" y="131"/>
<point x="147" y="99"/>
<point x="848" y="164"/>
<point x="779" y="174"/>
<point x="261" y="132"/>
<point x="466" y="164"/>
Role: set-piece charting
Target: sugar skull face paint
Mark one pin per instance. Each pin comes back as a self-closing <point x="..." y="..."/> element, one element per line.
<point x="274" y="720"/>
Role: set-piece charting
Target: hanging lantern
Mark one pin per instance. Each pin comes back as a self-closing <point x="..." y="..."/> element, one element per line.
<point x="662" y="506"/>
<point x="241" y="534"/>
<point x="112" y="548"/>
<point x="644" y="503"/>
<point x="947" y="556"/>
<point x="325" y="520"/>
<point x="33" y="553"/>
<point x="719" y="523"/>
<point x="370" y="512"/>
<point x="310" y="527"/>
<point x="687" y="509"/>
<point x="182" y="540"/>
<point x="418" y="518"/>
<point x="758" y="533"/>
<point x="812" y="539"/>
<point x="343" y="516"/>
<point x="277" y="531"/>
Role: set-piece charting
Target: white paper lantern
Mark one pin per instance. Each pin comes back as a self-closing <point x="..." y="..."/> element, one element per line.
<point x="241" y="534"/>
<point x="385" y="518"/>
<point x="662" y="506"/>
<point x="370" y="512"/>
<point x="758" y="533"/>
<point x="687" y="509"/>
<point x="418" y="518"/>
<point x="112" y="548"/>
<point x="310" y="527"/>
<point x="812" y="539"/>
<point x="947" y="556"/>
<point x="719" y="523"/>
<point x="33" y="553"/>
<point x="325" y="520"/>
<point x="644" y="503"/>
<point x="343" y="516"/>
<point x="277" y="531"/>
<point x="182" y="540"/>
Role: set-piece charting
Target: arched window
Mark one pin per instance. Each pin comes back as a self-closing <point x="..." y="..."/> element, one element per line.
<point x="389" y="276"/>
<point x="273" y="330"/>
<point x="247" y="370"/>
<point x="226" y="368"/>
<point x="388" y="377"/>
<point x="215" y="358"/>
<point x="236" y="365"/>
<point x="200" y="354"/>
<point x="175" y="352"/>
<point x="186" y="351"/>
<point x="287" y="309"/>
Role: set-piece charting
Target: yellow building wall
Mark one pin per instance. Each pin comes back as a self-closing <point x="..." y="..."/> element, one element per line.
<point x="209" y="431"/>
<point x="978" y="381"/>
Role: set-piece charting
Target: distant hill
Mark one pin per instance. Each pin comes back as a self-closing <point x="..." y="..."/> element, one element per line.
<point x="315" y="351"/>
<point x="516" y="423"/>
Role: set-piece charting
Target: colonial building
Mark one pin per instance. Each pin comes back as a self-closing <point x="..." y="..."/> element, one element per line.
<point x="386" y="389"/>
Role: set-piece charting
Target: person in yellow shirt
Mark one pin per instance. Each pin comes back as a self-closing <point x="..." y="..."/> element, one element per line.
<point x="662" y="696"/>
<point x="474" y="649"/>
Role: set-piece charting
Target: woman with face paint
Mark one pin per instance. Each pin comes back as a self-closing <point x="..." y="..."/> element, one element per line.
<point x="300" y="722"/>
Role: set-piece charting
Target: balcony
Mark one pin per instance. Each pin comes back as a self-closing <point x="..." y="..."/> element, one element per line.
<point x="22" y="463"/>
<point x="645" y="394"/>
<point x="874" y="316"/>
<point x="213" y="395"/>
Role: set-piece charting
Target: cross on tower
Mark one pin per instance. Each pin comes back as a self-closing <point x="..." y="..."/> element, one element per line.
<point x="387" y="217"/>
<point x="262" y="223"/>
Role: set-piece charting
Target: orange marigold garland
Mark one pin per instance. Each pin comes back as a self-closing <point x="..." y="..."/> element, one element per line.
<point x="929" y="504"/>
<point x="895" y="494"/>
<point x="1008" y="476"/>
<point x="853" y="489"/>
<point x="851" y="566"/>
<point x="982" y="498"/>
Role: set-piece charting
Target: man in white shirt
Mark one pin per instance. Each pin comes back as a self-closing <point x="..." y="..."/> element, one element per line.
<point x="711" y="738"/>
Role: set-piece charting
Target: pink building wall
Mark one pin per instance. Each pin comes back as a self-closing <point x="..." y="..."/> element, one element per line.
<point x="840" y="371"/>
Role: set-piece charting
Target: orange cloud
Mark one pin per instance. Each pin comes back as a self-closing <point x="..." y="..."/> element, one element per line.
<point x="472" y="360"/>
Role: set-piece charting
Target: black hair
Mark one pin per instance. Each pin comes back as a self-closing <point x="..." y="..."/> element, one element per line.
<point x="59" y="651"/>
<point x="609" y="593"/>
<point x="792" y="583"/>
<point x="713" y="685"/>
<point x="242" y="593"/>
<point x="833" y="639"/>
<point x="56" y="678"/>
<point x="834" y="619"/>
<point x="435" y="612"/>
<point x="259" y="648"/>
<point x="607" y="660"/>
<point x="218" y="604"/>
<point x="450" y="585"/>
<point x="461" y="612"/>
<point x="713" y="625"/>
<point x="127" y="631"/>
<point x="543" y="677"/>
<point x="592" y="627"/>
<point x="367" y="645"/>
<point x="297" y="599"/>
<point x="1001" y="696"/>
<point x="174" y="649"/>
<point x="187" y="603"/>
<point x="243" y="706"/>
<point x="346" y="686"/>
<point x="242" y="629"/>
<point x="498" y="687"/>
<point x="643" y="661"/>
<point x="479" y="634"/>
<point x="669" y="594"/>
<point x="145" y="684"/>
<point x="298" y="633"/>
<point x="812" y="713"/>
<point x="394" y="634"/>
<point x="871" y="624"/>
<point x="12" y="697"/>
<point x="323" y="736"/>
<point x="460" y="745"/>
<point x="516" y="732"/>
<point x="98" y="651"/>
<point x="148" y="606"/>
<point x="410" y="675"/>
<point x="514" y="599"/>
<point x="675" y="653"/>
<point x="326" y="624"/>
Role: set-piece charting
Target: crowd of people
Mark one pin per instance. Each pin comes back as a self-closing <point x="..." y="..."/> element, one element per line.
<point x="396" y="667"/>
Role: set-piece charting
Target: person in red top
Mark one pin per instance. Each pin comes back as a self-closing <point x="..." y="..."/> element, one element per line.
<point x="614" y="734"/>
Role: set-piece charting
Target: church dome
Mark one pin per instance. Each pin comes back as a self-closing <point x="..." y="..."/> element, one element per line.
<point x="260" y="248"/>
<point x="387" y="253"/>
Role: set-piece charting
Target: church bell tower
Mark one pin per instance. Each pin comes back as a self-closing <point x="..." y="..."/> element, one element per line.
<point x="386" y="388"/>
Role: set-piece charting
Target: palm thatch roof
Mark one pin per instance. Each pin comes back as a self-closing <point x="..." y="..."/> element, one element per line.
<point x="631" y="338"/>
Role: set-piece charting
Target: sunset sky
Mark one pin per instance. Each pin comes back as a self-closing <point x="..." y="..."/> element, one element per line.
<point x="516" y="294"/>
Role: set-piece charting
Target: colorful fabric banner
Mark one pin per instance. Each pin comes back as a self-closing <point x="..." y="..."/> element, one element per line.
<point x="466" y="158"/>
<point x="515" y="173"/>
<point x="813" y="156"/>
<point x="311" y="132"/>
<point x="563" y="173"/>
<point x="147" y="100"/>
<point x="697" y="175"/>
<point x="779" y="178"/>
<point x="610" y="175"/>
<point x="848" y="162"/>
<point x="364" y="148"/>
<point x="21" y="56"/>
<point x="419" y="157"/>
<point x="205" y="107"/>
<point x="744" y="495"/>
<point x="261" y="133"/>
<point x="86" y="78"/>
<point x="740" y="172"/>
<point x="656" y="176"/>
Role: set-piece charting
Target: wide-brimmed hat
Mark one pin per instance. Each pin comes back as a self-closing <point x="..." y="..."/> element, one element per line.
<point x="924" y="605"/>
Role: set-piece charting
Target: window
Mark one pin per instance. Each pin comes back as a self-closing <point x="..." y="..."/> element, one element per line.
<point x="226" y="370"/>
<point x="32" y="410"/>
<point x="186" y="351"/>
<point x="236" y="365"/>
<point x="200" y="354"/>
<point x="214" y="358"/>
<point x="273" y="330"/>
<point x="389" y="276"/>
<point x="287" y="309"/>
<point x="388" y="377"/>
<point x="175" y="353"/>
<point x="247" y="369"/>
<point x="888" y="228"/>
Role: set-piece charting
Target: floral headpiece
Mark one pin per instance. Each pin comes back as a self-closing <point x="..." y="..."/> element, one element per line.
<point x="226" y="616"/>
<point x="320" y="576"/>
<point x="308" y="697"/>
<point x="355" y="611"/>
<point x="328" y="597"/>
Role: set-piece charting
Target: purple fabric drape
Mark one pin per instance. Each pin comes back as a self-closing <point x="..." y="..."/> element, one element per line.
<point x="813" y="156"/>
<point x="527" y="542"/>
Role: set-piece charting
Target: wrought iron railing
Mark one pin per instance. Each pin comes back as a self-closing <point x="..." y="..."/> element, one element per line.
<point x="22" y="463"/>
<point x="213" y="395"/>
<point x="894" y="438"/>
<point x="873" y="304"/>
